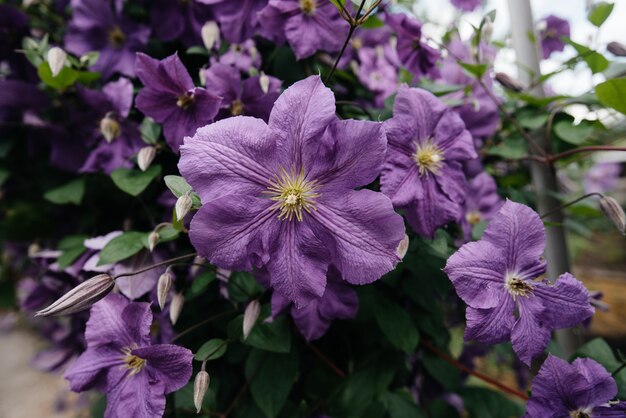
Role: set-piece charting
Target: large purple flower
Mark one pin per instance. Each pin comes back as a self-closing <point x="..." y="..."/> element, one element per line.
<point x="497" y="277"/>
<point x="377" y="72"/>
<point x="339" y="301"/>
<point x="244" y="57"/>
<point x="553" y="30"/>
<point x="423" y="173"/>
<point x="97" y="25"/>
<point x="176" y="19"/>
<point x="308" y="25"/>
<point x="417" y="56"/>
<point x="574" y="390"/>
<point x="238" y="19"/>
<point x="281" y="195"/>
<point x="170" y="97"/>
<point x="121" y="361"/>
<point x="242" y="97"/>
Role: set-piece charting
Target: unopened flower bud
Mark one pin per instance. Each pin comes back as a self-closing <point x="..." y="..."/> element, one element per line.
<point x="264" y="81"/>
<point x="210" y="34"/>
<point x="614" y="212"/>
<point x="153" y="240"/>
<point x="197" y="261"/>
<point x="183" y="206"/>
<point x="33" y="249"/>
<point x="487" y="30"/>
<point x="250" y="315"/>
<point x="110" y="127"/>
<point x="81" y="297"/>
<point x="509" y="82"/>
<point x="163" y="287"/>
<point x="403" y="247"/>
<point x="617" y="49"/>
<point x="200" y="386"/>
<point x="176" y="307"/>
<point x="56" y="60"/>
<point x="223" y="274"/>
<point x="145" y="156"/>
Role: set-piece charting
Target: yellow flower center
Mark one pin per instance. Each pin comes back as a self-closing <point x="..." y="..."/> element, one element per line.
<point x="184" y="100"/>
<point x="579" y="414"/>
<point x="308" y="7"/>
<point x="428" y="157"/>
<point x="473" y="217"/>
<point x="116" y="37"/>
<point x="293" y="194"/>
<point x="132" y="362"/>
<point x="518" y="287"/>
<point x="357" y="43"/>
<point x="236" y="108"/>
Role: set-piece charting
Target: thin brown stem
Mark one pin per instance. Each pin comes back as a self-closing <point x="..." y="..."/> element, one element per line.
<point x="153" y="266"/>
<point x="564" y="205"/>
<point x="201" y="323"/>
<point x="354" y="23"/>
<point x="327" y="361"/>
<point x="430" y="347"/>
<point x="555" y="157"/>
<point x="245" y="386"/>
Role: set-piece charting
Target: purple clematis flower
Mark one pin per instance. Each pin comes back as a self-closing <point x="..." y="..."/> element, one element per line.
<point x="423" y="174"/>
<point x="339" y="301"/>
<point x="97" y="26"/>
<point x="497" y="278"/>
<point x="417" y="56"/>
<point x="466" y="5"/>
<point x="307" y="25"/>
<point x="481" y="204"/>
<point x="377" y="72"/>
<point x="281" y="195"/>
<point x="578" y="390"/>
<point x="553" y="29"/>
<point x="242" y="97"/>
<point x="121" y="361"/>
<point x="602" y="177"/>
<point x="238" y="19"/>
<point x="243" y="56"/>
<point x="170" y="97"/>
<point x="364" y="38"/>
<point x="176" y="19"/>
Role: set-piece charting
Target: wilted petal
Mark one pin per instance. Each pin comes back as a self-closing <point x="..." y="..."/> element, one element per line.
<point x="491" y="326"/>
<point x="168" y="363"/>
<point x="530" y="335"/>
<point x="566" y="302"/>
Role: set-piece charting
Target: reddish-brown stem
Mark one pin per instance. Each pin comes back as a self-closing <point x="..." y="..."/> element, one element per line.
<point x="430" y="347"/>
<point x="153" y="266"/>
<point x="327" y="361"/>
<point x="554" y="157"/>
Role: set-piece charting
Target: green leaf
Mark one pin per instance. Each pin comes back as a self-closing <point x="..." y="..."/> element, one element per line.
<point x="400" y="405"/>
<point x="573" y="134"/>
<point x="442" y="371"/>
<point x="63" y="80"/>
<point x="133" y="181"/>
<point x="4" y="175"/>
<point x="166" y="233"/>
<point x="179" y="186"/>
<point x="485" y="403"/>
<point x="396" y="324"/>
<point x="271" y="378"/>
<point x="531" y="118"/>
<point x="476" y="70"/>
<point x="199" y="284"/>
<point x="274" y="336"/>
<point x="71" y="192"/>
<point x="512" y="148"/>
<point x="595" y="61"/>
<point x="600" y="351"/>
<point x="197" y="50"/>
<point x="72" y="247"/>
<point x="372" y="22"/>
<point x="150" y="131"/>
<point x="243" y="287"/>
<point x="600" y="12"/>
<point x="211" y="350"/>
<point x="122" y="247"/>
<point x="338" y="3"/>
<point x="612" y="93"/>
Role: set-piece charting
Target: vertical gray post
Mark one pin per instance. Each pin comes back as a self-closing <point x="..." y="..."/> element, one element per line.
<point x="543" y="176"/>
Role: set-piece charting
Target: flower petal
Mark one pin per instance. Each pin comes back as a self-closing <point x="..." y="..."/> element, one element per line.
<point x="90" y="368"/>
<point x="361" y="231"/>
<point x="168" y="363"/>
<point x="530" y="335"/>
<point x="601" y="386"/>
<point x="234" y="155"/>
<point x="105" y="325"/>
<point x="136" y="396"/>
<point x="233" y="231"/>
<point x="300" y="115"/>
<point x="168" y="75"/>
<point x="477" y="272"/>
<point x="491" y="326"/>
<point x="566" y="302"/>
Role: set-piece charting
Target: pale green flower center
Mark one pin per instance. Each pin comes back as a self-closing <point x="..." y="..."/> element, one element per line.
<point x="236" y="108"/>
<point x="116" y="37"/>
<point x="517" y="287"/>
<point x="580" y="414"/>
<point x="308" y="7"/>
<point x="293" y="194"/>
<point x="473" y="217"/>
<point x="132" y="362"/>
<point x="184" y="100"/>
<point x="428" y="157"/>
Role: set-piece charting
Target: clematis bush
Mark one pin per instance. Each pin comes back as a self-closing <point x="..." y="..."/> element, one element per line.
<point x="308" y="208"/>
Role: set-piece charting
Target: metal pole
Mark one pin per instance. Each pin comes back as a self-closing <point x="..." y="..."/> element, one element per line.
<point x="543" y="175"/>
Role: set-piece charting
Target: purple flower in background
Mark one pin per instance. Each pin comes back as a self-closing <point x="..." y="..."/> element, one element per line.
<point x="281" y="195"/>
<point x="466" y="5"/>
<point x="481" y="204"/>
<point x="238" y="19"/>
<point x="339" y="301"/>
<point x="254" y="96"/>
<point x="96" y="26"/>
<point x="121" y="361"/>
<point x="13" y="28"/>
<point x="307" y="25"/>
<point x="570" y="390"/>
<point x="422" y="173"/>
<point x="602" y="178"/>
<point x="552" y="30"/>
<point x="377" y="72"/>
<point x="497" y="277"/>
<point x="418" y="57"/>
<point x="170" y="97"/>
<point x="243" y="56"/>
<point x="176" y="19"/>
<point x="362" y="38"/>
<point x="18" y="98"/>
